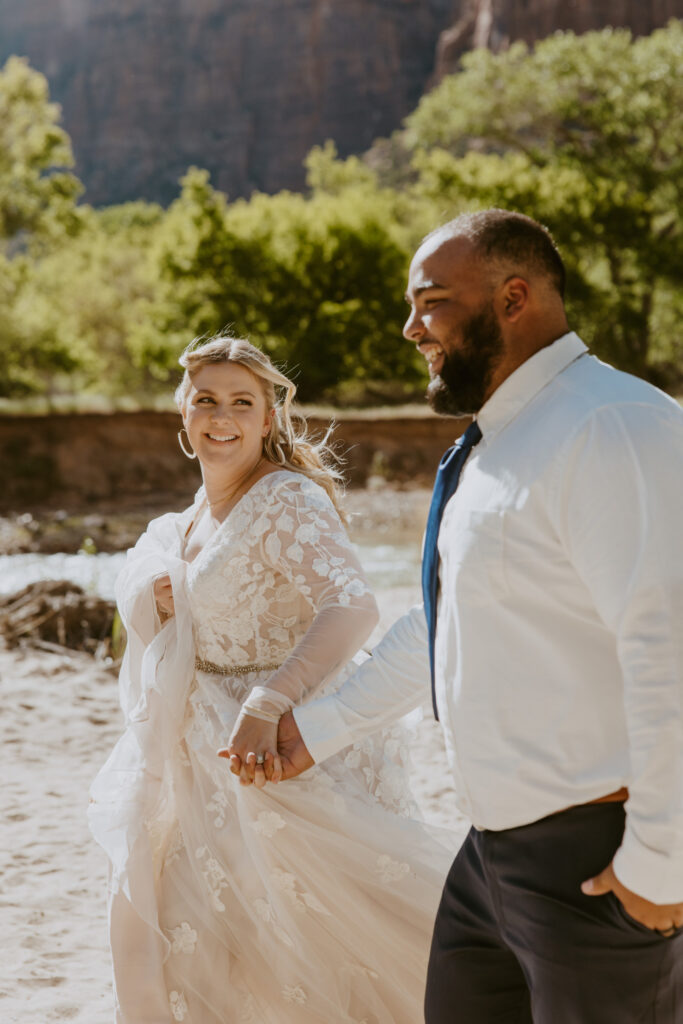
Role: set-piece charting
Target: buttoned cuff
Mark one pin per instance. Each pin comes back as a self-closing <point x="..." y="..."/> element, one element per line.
<point x="322" y="728"/>
<point x="649" y="873"/>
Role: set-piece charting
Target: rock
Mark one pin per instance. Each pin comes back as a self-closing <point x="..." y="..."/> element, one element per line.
<point x="242" y="87"/>
<point x="246" y="87"/>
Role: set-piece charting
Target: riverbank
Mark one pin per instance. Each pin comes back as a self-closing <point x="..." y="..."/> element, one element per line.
<point x="375" y="513"/>
<point x="96" y="462"/>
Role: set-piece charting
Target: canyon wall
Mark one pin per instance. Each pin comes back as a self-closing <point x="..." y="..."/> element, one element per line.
<point x="246" y="87"/>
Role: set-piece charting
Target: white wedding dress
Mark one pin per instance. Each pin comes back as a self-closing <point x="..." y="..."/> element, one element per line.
<point x="309" y="902"/>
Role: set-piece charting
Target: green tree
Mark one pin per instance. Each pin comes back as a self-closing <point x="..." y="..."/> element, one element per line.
<point x="37" y="208"/>
<point x="317" y="281"/>
<point x="37" y="192"/>
<point x="583" y="133"/>
<point x="98" y="292"/>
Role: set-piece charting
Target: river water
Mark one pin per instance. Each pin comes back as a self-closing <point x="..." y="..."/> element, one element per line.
<point x="387" y="565"/>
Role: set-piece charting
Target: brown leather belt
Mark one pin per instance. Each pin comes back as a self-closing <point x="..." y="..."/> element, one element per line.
<point x="618" y="796"/>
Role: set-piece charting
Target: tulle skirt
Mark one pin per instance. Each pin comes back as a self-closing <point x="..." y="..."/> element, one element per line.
<point x="309" y="902"/>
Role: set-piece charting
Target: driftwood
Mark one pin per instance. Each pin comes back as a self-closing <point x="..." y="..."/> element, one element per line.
<point x="57" y="613"/>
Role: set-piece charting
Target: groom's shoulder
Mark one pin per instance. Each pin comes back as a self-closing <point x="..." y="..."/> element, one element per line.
<point x="592" y="389"/>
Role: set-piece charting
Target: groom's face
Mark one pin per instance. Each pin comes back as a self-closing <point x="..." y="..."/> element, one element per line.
<point x="454" y="325"/>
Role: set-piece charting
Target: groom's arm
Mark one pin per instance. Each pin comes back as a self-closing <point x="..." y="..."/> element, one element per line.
<point x="392" y="682"/>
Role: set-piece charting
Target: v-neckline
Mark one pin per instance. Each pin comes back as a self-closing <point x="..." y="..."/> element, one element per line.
<point x="219" y="529"/>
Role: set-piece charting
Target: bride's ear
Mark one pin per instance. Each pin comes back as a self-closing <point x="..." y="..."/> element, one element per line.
<point x="270" y="416"/>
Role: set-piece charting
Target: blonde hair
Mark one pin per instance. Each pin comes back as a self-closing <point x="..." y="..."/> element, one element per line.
<point x="286" y="444"/>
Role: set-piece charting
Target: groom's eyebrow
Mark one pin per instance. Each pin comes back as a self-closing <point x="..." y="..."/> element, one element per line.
<point x="426" y="287"/>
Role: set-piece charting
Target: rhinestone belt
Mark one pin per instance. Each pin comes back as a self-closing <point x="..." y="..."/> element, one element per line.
<point x="230" y="670"/>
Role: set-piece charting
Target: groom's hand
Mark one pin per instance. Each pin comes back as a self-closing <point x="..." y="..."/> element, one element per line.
<point x="661" y="917"/>
<point x="294" y="755"/>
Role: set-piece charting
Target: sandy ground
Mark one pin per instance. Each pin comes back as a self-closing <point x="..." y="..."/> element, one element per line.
<point x="61" y="718"/>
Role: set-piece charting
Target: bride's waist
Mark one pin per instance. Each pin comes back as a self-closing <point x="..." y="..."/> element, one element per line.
<point x="212" y="668"/>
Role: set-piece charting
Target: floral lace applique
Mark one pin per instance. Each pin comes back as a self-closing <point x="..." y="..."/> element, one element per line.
<point x="390" y="870"/>
<point x="215" y="877"/>
<point x="286" y="883"/>
<point x="294" y="994"/>
<point x="320" y="781"/>
<point x="218" y="805"/>
<point x="383" y="762"/>
<point x="201" y="726"/>
<point x="289" y="556"/>
<point x="178" y="1005"/>
<point x="175" y="845"/>
<point x="265" y="911"/>
<point x="248" y="1013"/>
<point x="268" y="823"/>
<point x="183" y="938"/>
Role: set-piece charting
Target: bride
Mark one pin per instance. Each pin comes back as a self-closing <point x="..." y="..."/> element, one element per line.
<point x="307" y="902"/>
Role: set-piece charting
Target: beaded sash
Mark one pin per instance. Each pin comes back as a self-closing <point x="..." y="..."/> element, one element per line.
<point x="231" y="670"/>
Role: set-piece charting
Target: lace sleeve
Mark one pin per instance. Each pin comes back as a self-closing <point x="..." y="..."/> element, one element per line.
<point x="309" y="546"/>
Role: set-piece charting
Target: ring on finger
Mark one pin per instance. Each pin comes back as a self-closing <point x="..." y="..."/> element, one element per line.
<point x="260" y="758"/>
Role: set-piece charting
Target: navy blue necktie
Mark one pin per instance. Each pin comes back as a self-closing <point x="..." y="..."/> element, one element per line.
<point x="447" y="477"/>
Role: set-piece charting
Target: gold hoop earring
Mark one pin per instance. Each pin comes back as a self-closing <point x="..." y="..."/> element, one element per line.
<point x="190" y="454"/>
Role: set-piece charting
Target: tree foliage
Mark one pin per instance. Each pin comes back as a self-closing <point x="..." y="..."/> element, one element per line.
<point x="37" y="208"/>
<point x="316" y="281"/>
<point x="583" y="133"/>
<point x="37" y="192"/>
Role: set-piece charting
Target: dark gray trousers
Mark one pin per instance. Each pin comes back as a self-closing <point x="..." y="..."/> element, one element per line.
<point x="516" y="941"/>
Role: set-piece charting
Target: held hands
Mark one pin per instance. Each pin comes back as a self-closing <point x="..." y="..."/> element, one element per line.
<point x="294" y="755"/>
<point x="291" y="756"/>
<point x="163" y="595"/>
<point x="660" y="917"/>
<point x="253" y="739"/>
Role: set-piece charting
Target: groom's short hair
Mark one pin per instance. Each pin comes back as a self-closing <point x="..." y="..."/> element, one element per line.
<point x="512" y="238"/>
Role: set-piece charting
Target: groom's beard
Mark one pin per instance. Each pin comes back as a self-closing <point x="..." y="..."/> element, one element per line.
<point x="463" y="384"/>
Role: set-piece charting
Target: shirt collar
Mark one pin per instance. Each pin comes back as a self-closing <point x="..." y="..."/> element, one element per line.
<point x="520" y="387"/>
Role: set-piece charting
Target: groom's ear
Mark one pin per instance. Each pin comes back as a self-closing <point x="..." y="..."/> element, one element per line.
<point x="514" y="298"/>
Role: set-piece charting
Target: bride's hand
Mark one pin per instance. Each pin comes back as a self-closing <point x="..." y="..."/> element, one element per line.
<point x="250" y="738"/>
<point x="163" y="595"/>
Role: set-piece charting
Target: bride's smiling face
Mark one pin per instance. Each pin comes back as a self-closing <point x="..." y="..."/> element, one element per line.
<point x="226" y="417"/>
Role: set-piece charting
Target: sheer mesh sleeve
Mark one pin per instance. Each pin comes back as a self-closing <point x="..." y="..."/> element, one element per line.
<point x="308" y="545"/>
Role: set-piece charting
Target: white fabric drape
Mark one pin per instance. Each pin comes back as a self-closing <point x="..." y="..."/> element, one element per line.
<point x="131" y="809"/>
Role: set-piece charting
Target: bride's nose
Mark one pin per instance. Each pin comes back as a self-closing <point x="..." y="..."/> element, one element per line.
<point x="221" y="414"/>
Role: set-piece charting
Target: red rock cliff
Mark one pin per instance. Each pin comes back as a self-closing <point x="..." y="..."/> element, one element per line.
<point x="246" y="87"/>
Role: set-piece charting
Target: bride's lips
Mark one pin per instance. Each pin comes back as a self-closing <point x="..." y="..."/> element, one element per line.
<point x="223" y="439"/>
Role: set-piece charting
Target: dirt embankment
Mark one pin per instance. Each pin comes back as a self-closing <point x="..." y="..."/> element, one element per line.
<point x="106" y="461"/>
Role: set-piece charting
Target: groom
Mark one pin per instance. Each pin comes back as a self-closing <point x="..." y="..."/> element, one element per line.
<point x="553" y="636"/>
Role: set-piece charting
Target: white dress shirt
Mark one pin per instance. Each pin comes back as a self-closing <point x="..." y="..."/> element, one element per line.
<point x="559" y="651"/>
